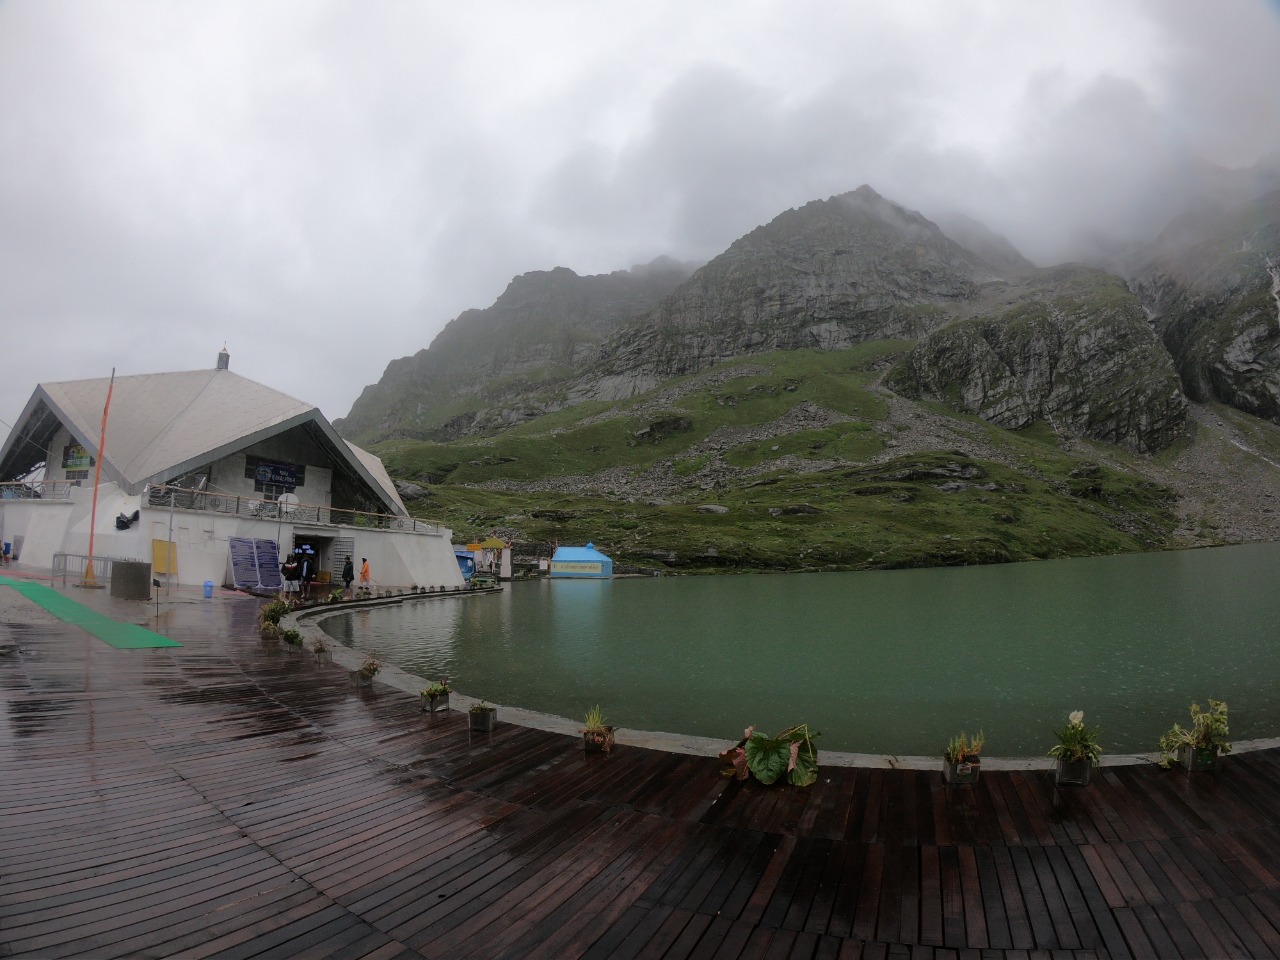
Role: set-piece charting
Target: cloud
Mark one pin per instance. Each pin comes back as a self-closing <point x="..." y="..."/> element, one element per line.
<point x="323" y="185"/>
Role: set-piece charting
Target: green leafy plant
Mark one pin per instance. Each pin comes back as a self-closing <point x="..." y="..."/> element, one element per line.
<point x="791" y="753"/>
<point x="292" y="636"/>
<point x="1208" y="730"/>
<point x="370" y="667"/>
<point x="272" y="612"/>
<point x="964" y="749"/>
<point x="335" y="596"/>
<point x="270" y="630"/>
<point x="481" y="707"/>
<point x="1076" y="741"/>
<point x="437" y="689"/>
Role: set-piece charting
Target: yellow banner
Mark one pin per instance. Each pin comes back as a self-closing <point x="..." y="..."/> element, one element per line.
<point x="164" y="557"/>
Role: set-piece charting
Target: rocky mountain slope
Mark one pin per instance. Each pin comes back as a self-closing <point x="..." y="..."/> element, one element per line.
<point x="827" y="276"/>
<point x="1212" y="284"/>
<point x="547" y="324"/>
<point x="1073" y="348"/>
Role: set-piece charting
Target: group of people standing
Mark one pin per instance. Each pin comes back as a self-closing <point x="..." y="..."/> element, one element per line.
<point x="299" y="571"/>
<point x="349" y="574"/>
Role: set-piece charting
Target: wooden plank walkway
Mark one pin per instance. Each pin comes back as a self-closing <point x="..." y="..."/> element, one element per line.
<point x="230" y="800"/>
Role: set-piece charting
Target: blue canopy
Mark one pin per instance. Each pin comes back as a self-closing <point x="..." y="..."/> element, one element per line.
<point x="580" y="562"/>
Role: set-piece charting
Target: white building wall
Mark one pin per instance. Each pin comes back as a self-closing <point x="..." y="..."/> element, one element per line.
<point x="397" y="559"/>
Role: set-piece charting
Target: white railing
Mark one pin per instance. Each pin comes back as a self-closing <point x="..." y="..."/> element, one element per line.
<point x="37" y="490"/>
<point x="185" y="498"/>
<point x="76" y="564"/>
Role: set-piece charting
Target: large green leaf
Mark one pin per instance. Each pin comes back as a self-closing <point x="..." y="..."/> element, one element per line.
<point x="767" y="757"/>
<point x="805" y="771"/>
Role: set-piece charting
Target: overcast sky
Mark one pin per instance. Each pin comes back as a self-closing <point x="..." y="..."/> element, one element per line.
<point x="323" y="185"/>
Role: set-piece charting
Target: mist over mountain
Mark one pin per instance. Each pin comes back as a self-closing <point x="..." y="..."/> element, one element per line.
<point x="1108" y="355"/>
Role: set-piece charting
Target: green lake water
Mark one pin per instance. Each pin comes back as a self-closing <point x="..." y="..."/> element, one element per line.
<point x="879" y="662"/>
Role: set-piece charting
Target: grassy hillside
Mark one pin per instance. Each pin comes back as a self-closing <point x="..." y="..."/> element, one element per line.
<point x="806" y="465"/>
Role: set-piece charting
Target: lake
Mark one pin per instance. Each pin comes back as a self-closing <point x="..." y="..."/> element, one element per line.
<point x="889" y="662"/>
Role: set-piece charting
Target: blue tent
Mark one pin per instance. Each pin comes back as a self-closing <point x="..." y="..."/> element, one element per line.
<point x="582" y="562"/>
<point x="466" y="562"/>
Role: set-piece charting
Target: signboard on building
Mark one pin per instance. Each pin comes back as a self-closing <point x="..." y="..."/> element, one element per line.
<point x="262" y="471"/>
<point x="561" y="566"/>
<point x="255" y="564"/>
<point x="76" y="457"/>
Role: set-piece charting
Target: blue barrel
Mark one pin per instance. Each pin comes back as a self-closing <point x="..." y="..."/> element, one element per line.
<point x="208" y="589"/>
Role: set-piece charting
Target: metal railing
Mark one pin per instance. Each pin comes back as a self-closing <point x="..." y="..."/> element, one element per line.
<point x="205" y="501"/>
<point x="37" y="490"/>
<point x="76" y="564"/>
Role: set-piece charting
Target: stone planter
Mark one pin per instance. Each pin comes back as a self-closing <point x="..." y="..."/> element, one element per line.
<point x="433" y="704"/>
<point x="361" y="679"/>
<point x="961" y="772"/>
<point x="1073" y="772"/>
<point x="1198" y="759"/>
<point x="483" y="719"/>
<point x="598" y="741"/>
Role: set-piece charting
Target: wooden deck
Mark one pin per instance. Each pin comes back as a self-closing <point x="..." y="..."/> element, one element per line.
<point x="228" y="800"/>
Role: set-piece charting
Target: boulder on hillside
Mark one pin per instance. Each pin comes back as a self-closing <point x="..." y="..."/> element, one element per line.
<point x="411" y="491"/>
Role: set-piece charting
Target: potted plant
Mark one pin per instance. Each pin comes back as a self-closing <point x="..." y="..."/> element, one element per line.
<point x="269" y="615"/>
<point x="597" y="736"/>
<point x="791" y="754"/>
<point x="292" y="637"/>
<point x="1197" y="747"/>
<point x="1077" y="751"/>
<point x="961" y="762"/>
<point x="321" y="649"/>
<point x="368" y="670"/>
<point x="482" y="717"/>
<point x="435" y="697"/>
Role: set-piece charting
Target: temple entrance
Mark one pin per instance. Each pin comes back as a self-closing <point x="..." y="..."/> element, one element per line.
<point x="320" y="549"/>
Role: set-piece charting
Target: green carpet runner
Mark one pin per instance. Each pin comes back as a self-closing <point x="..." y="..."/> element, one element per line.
<point x="122" y="636"/>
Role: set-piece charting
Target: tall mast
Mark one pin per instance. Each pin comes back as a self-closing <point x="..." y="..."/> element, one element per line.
<point x="97" y="475"/>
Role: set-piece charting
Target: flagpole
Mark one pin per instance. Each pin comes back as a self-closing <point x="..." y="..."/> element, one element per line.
<point x="88" y="580"/>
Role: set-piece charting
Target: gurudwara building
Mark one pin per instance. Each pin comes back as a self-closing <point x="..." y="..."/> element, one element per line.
<point x="206" y="475"/>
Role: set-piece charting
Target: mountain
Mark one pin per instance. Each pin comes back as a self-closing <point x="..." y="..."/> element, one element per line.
<point x="996" y="336"/>
<point x="1212" y="284"/>
<point x="827" y="276"/>
<point x="852" y="385"/>
<point x="1001" y="339"/>
<point x="545" y="325"/>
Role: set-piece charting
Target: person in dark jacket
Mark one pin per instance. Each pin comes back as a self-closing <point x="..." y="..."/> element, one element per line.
<point x="290" y="573"/>
<point x="348" y="575"/>
<point x="307" y="565"/>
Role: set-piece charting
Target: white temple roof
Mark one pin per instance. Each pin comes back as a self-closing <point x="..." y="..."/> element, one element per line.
<point x="163" y="425"/>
